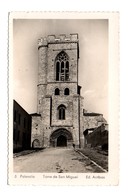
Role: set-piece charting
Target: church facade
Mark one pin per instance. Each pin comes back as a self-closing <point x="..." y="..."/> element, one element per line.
<point x="60" y="119"/>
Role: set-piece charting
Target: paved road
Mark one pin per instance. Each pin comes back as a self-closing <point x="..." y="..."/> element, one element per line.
<point x="58" y="160"/>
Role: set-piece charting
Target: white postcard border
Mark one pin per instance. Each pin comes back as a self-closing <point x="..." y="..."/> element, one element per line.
<point x="110" y="178"/>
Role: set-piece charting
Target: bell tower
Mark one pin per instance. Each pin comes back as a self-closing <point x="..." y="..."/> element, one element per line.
<point x="59" y="119"/>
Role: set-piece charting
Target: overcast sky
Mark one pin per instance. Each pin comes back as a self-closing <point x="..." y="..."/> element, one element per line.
<point x="93" y="62"/>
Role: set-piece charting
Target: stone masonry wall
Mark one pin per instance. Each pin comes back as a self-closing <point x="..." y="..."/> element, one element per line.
<point x="68" y="103"/>
<point x="42" y="75"/>
<point x="53" y="51"/>
<point x="36" y="130"/>
<point x="48" y="102"/>
<point x="61" y="86"/>
<point x="76" y="119"/>
<point x="81" y="122"/>
<point x="93" y="121"/>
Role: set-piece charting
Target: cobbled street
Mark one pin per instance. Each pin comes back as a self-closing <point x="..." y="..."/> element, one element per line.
<point x="57" y="160"/>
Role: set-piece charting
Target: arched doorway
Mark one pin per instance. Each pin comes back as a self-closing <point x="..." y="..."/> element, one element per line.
<point x="62" y="141"/>
<point x="61" y="138"/>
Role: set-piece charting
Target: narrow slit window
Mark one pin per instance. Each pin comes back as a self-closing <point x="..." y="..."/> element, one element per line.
<point x="67" y="71"/>
<point x="57" y="70"/>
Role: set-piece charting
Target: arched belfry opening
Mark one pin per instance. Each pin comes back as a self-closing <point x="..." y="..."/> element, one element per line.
<point x="66" y="91"/>
<point x="57" y="91"/>
<point x="62" y="66"/>
<point x="61" y="138"/>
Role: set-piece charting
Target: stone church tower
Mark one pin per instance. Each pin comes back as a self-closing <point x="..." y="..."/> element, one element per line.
<point x="59" y="117"/>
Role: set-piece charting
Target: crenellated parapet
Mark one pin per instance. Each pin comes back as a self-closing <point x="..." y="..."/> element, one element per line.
<point x="57" y="39"/>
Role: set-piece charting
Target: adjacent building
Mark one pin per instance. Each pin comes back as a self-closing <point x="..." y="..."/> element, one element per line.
<point x="96" y="130"/>
<point x="21" y="128"/>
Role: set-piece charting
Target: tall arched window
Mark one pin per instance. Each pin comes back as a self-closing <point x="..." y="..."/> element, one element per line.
<point x="66" y="91"/>
<point x="57" y="91"/>
<point x="61" y="112"/>
<point x="62" y="67"/>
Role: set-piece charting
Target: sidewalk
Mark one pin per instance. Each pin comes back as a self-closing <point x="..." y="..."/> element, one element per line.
<point x="94" y="155"/>
<point x="26" y="152"/>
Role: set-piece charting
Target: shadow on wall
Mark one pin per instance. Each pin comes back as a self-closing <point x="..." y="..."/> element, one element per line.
<point x="97" y="137"/>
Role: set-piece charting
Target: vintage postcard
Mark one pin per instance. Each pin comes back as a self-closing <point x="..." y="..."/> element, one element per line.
<point x="63" y="98"/>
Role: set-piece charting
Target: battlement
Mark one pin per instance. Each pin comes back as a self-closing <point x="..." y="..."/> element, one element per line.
<point x="58" y="39"/>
